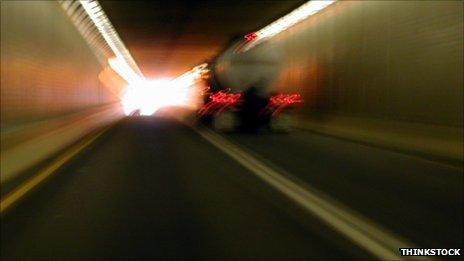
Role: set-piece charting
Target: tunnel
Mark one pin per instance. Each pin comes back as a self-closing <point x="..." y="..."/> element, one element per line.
<point x="231" y="130"/>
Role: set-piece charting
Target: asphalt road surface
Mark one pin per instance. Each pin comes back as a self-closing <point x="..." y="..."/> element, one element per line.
<point x="152" y="188"/>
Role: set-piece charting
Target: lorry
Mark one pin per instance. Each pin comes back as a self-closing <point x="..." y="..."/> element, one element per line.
<point x="241" y="92"/>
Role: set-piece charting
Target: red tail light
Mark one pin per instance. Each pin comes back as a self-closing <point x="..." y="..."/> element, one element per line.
<point x="222" y="97"/>
<point x="279" y="102"/>
<point x="285" y="99"/>
<point x="250" y="37"/>
<point x="220" y="102"/>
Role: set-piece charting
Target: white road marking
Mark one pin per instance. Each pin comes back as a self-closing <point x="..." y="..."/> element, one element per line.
<point x="361" y="231"/>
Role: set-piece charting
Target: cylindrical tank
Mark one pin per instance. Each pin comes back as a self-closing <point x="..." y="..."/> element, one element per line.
<point x="257" y="67"/>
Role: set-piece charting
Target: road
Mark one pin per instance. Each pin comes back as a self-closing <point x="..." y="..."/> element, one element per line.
<point x="154" y="188"/>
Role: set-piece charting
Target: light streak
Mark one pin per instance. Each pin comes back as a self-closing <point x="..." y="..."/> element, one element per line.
<point x="124" y="70"/>
<point x="282" y="24"/>
<point x="106" y="29"/>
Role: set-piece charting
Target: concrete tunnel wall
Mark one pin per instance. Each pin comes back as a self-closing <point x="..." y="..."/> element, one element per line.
<point x="50" y="90"/>
<point x="393" y="66"/>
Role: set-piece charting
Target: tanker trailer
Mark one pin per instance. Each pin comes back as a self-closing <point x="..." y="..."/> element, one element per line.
<point x="242" y="93"/>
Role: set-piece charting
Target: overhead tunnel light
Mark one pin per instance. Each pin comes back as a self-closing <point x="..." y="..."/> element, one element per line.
<point x="301" y="13"/>
<point x="124" y="70"/>
<point x="106" y="29"/>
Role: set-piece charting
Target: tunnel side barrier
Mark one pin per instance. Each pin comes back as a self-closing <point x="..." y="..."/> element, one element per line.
<point x="398" y="61"/>
<point x="54" y="85"/>
<point x="387" y="74"/>
<point x="435" y="142"/>
<point x="30" y="144"/>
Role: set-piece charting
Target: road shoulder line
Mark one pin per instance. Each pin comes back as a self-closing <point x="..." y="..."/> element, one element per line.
<point x="27" y="186"/>
<point x="359" y="230"/>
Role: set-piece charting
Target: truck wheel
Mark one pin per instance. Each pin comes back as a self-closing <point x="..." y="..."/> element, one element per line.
<point x="282" y="123"/>
<point x="225" y="121"/>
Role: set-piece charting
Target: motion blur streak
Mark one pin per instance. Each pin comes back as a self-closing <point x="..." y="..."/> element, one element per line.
<point x="191" y="76"/>
<point x="99" y="18"/>
<point x="296" y="16"/>
<point x="124" y="70"/>
<point x="339" y="136"/>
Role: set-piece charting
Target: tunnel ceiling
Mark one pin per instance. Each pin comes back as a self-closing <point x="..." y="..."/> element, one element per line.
<point x="168" y="37"/>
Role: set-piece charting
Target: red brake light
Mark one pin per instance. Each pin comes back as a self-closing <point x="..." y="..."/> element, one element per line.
<point x="250" y="37"/>
<point x="285" y="99"/>
<point x="222" y="97"/>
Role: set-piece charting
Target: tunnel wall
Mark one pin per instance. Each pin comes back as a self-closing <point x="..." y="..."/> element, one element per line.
<point x="388" y="73"/>
<point x="398" y="60"/>
<point x="51" y="94"/>
<point x="47" y="67"/>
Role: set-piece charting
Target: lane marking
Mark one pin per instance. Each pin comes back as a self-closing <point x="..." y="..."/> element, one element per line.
<point x="361" y="231"/>
<point x="18" y="193"/>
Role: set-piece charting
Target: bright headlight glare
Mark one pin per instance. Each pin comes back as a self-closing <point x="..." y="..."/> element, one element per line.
<point x="149" y="96"/>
